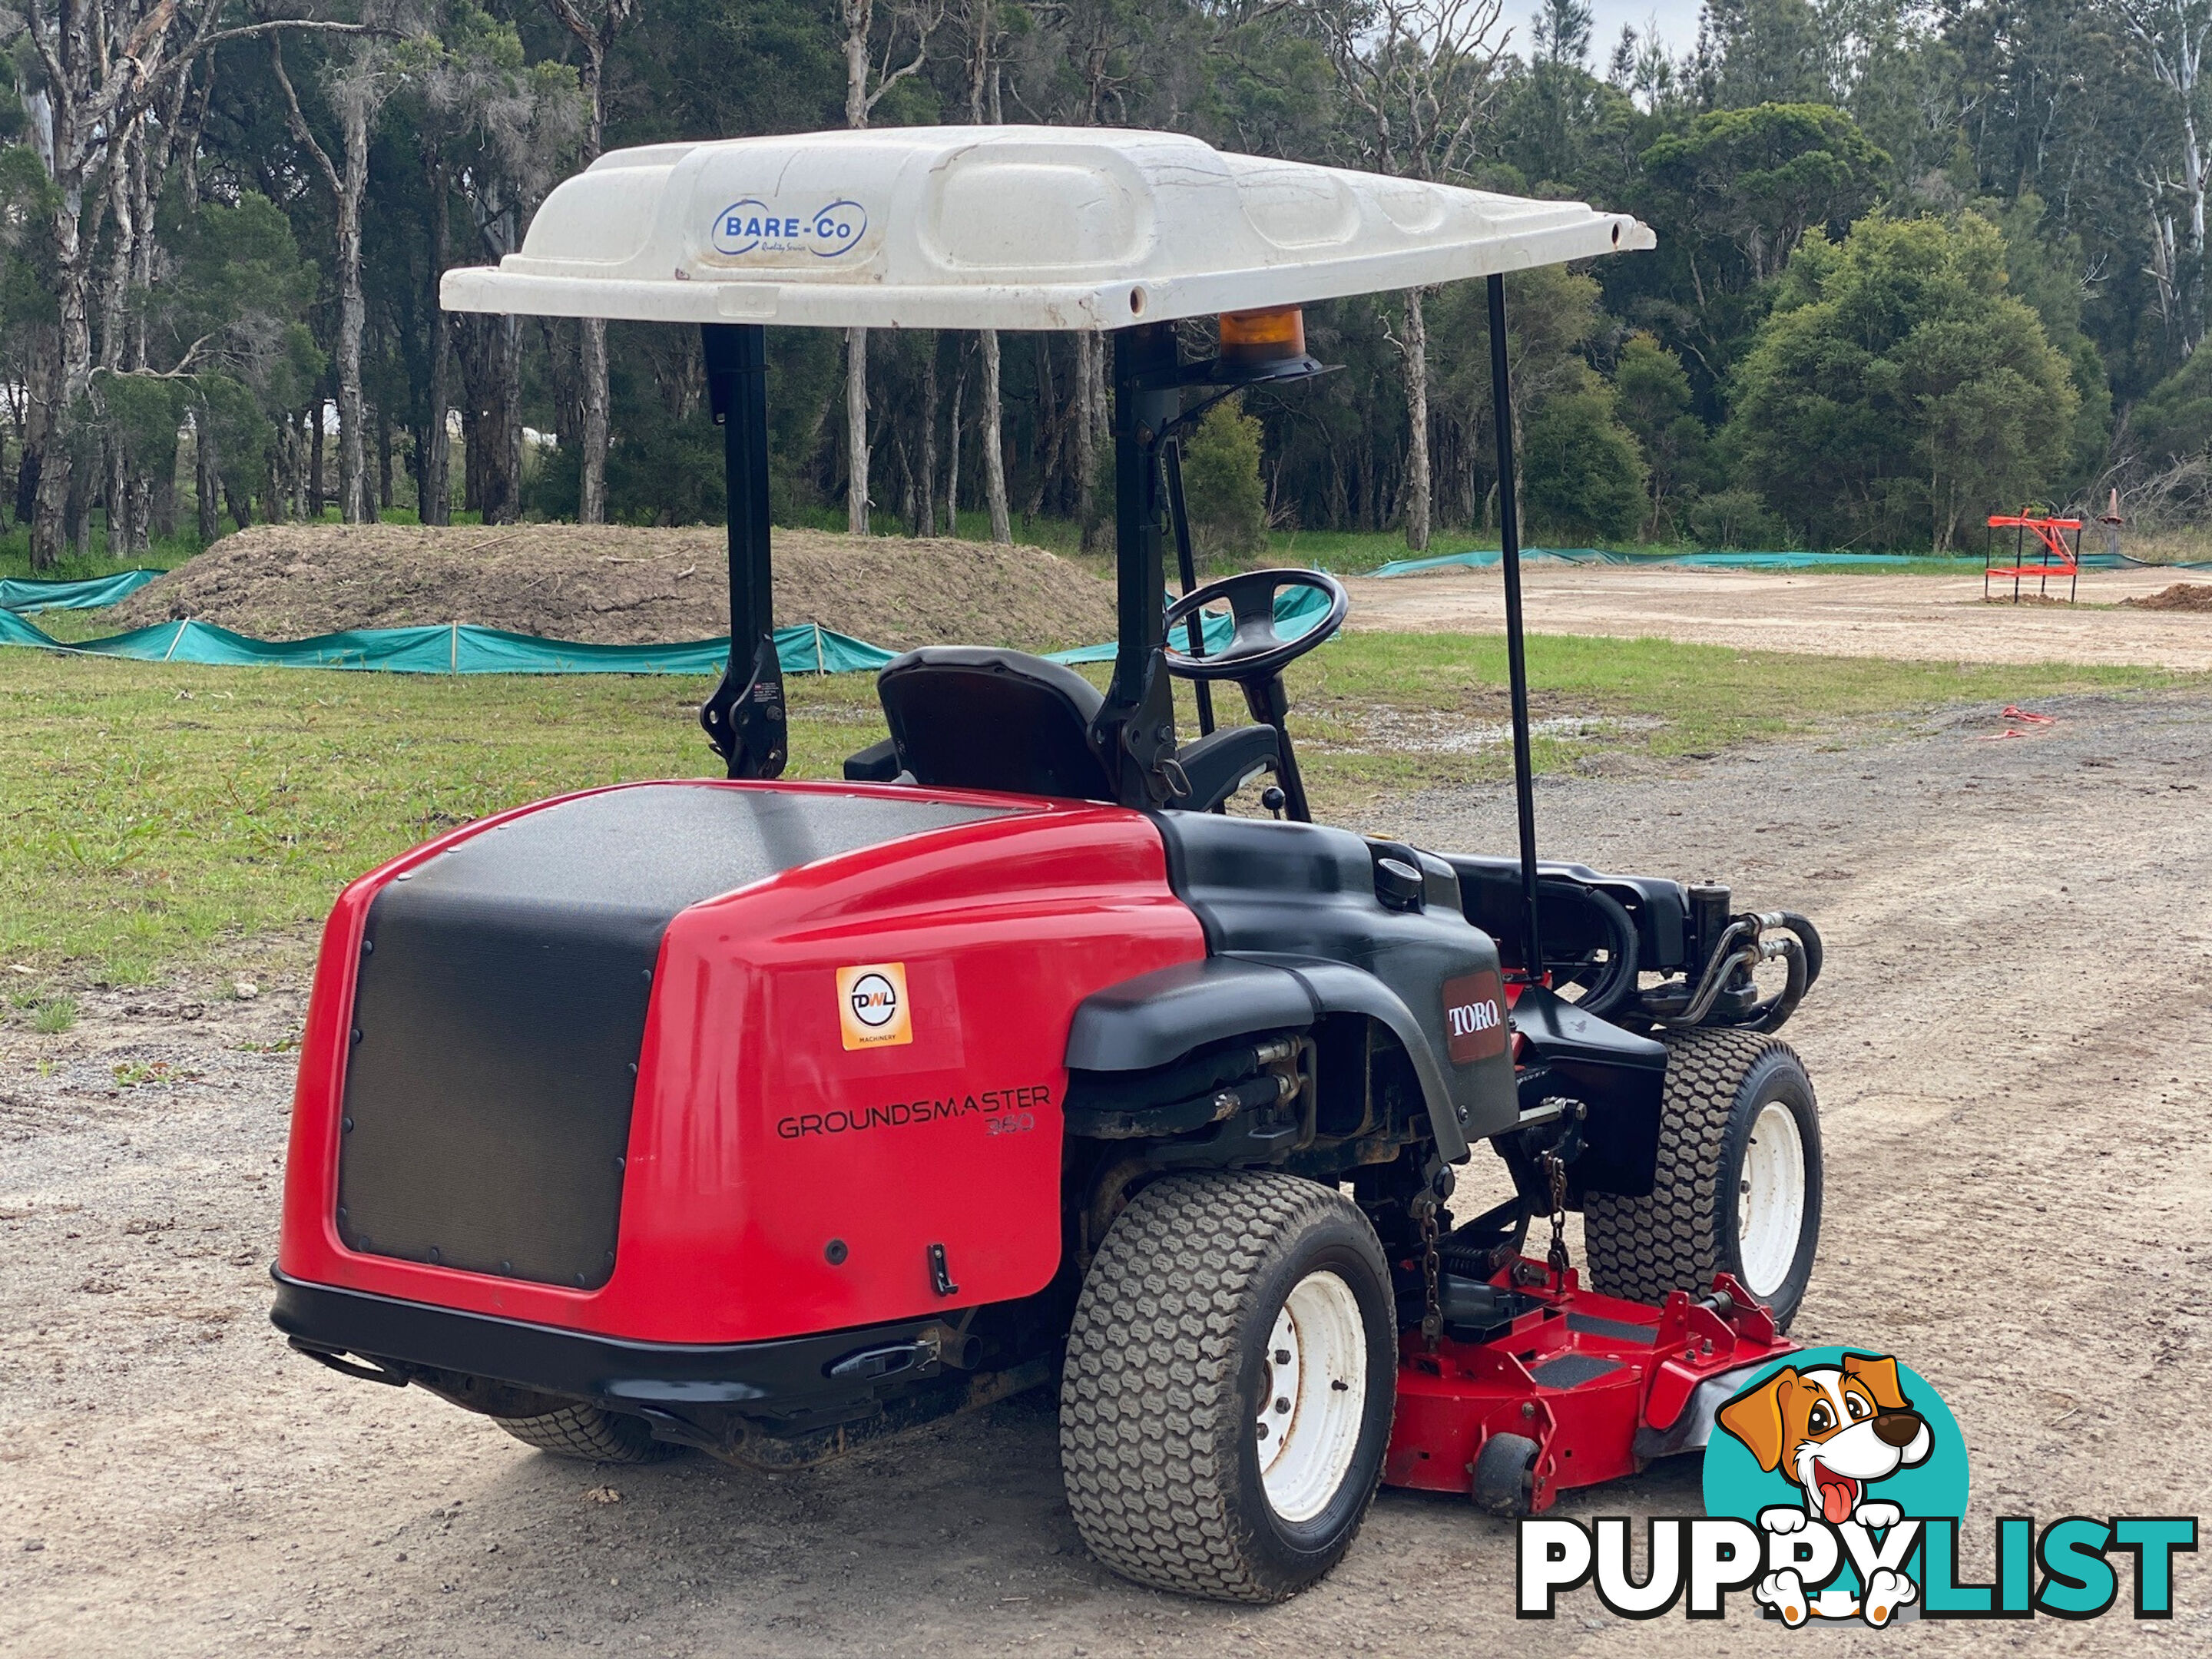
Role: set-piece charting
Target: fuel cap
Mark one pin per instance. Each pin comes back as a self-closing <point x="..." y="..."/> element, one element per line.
<point x="1398" y="885"/>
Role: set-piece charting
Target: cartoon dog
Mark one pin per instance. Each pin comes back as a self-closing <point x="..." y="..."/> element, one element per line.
<point x="1834" y="1429"/>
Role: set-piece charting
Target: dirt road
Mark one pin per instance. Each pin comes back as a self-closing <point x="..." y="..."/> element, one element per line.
<point x="1920" y="618"/>
<point x="2013" y="1044"/>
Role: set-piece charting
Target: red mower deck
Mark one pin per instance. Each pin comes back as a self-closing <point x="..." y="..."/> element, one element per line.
<point x="1600" y="1385"/>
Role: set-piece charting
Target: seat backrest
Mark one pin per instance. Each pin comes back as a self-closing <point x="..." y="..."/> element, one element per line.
<point x="966" y="717"/>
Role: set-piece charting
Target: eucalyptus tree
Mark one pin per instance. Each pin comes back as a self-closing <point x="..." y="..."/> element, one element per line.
<point x="877" y="59"/>
<point x="984" y="27"/>
<point x="503" y="131"/>
<point x="595" y="29"/>
<point x="2171" y="36"/>
<point x="1418" y="78"/>
<point x="102" y="66"/>
<point x="356" y="89"/>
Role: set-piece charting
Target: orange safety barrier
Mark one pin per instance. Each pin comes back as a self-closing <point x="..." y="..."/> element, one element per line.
<point x="2053" y="557"/>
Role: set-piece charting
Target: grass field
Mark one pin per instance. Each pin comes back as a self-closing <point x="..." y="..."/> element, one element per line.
<point x="160" y="817"/>
<point x="1346" y="552"/>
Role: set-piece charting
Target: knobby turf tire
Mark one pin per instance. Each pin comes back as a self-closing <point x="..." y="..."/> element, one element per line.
<point x="1676" y="1238"/>
<point x="1165" y="1358"/>
<point x="592" y="1435"/>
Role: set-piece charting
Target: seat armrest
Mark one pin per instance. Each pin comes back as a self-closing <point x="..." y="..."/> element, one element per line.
<point x="878" y="763"/>
<point x="1222" y="762"/>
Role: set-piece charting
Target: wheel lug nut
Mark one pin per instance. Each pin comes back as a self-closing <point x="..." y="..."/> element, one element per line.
<point x="1263" y="1431"/>
<point x="1282" y="1405"/>
<point x="1282" y="1356"/>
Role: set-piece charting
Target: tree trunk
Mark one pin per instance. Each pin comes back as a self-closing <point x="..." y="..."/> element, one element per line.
<point x="353" y="309"/>
<point x="1417" y="398"/>
<point x="591" y="463"/>
<point x="1086" y="439"/>
<point x="929" y="439"/>
<point x="118" y="499"/>
<point x="160" y="518"/>
<point x="206" y="474"/>
<point x="952" y="460"/>
<point x="909" y="498"/>
<point x="1050" y="428"/>
<point x="859" y="18"/>
<point x="501" y="428"/>
<point x="27" y="485"/>
<point x="472" y="447"/>
<point x="435" y="506"/>
<point x="856" y="431"/>
<point x="317" y="495"/>
<point x="592" y="480"/>
<point x="994" y="460"/>
<point x="51" y="522"/>
<point x="381" y="502"/>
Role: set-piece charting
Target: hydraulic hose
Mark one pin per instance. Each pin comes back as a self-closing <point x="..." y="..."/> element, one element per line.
<point x="1730" y="951"/>
<point x="1809" y="937"/>
<point x="1768" y="1016"/>
<point x="1742" y="947"/>
<point x="1618" y="982"/>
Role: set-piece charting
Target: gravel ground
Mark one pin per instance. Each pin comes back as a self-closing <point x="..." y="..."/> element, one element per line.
<point x="1915" y="618"/>
<point x="2011" y="1046"/>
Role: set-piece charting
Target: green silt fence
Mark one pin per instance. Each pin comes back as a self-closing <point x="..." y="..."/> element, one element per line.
<point x="464" y="648"/>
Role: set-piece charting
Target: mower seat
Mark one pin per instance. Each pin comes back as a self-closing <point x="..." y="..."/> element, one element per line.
<point x="969" y="717"/>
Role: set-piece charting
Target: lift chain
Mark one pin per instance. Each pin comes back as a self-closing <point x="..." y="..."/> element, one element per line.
<point x="1555" y="1172"/>
<point x="1428" y="1204"/>
<point x="1433" y="1309"/>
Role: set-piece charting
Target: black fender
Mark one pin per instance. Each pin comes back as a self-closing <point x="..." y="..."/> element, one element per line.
<point x="1620" y="1075"/>
<point x="1158" y="1017"/>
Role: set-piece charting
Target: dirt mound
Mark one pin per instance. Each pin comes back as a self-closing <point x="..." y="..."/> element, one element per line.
<point x="623" y="587"/>
<point x="2181" y="596"/>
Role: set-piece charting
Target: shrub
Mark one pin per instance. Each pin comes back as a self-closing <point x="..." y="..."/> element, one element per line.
<point x="1735" y="518"/>
<point x="1221" y="482"/>
<point x="1582" y="476"/>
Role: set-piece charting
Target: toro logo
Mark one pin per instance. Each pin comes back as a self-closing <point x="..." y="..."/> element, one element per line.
<point x="872" y="1005"/>
<point x="753" y="226"/>
<point x="1474" y="1017"/>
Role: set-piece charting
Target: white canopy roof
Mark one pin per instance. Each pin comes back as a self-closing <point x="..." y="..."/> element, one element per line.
<point x="1015" y="227"/>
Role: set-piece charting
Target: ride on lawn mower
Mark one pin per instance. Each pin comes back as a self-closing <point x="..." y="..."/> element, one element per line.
<point x="770" y="1117"/>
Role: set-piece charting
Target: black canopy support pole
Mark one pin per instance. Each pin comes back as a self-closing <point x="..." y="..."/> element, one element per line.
<point x="1186" y="572"/>
<point x="744" y="719"/>
<point x="1517" y="660"/>
<point x="1134" y="732"/>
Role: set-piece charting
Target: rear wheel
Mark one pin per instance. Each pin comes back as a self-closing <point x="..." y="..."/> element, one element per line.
<point x="589" y="1435"/>
<point x="1738" y="1184"/>
<point x="1230" y="1382"/>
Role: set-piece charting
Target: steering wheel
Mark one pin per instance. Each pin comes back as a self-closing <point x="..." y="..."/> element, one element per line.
<point x="1255" y="649"/>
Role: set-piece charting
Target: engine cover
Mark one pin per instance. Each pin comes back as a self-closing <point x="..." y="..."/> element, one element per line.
<point x="500" y="1008"/>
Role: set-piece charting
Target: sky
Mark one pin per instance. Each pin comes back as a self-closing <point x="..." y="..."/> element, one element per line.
<point x="1677" y="26"/>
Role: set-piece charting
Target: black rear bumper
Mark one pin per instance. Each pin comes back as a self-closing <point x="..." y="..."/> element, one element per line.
<point x="794" y="1381"/>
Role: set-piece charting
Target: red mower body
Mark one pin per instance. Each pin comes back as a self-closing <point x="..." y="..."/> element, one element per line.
<point x="775" y="1178"/>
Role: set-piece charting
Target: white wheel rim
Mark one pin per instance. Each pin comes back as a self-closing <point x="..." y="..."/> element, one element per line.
<point x="1315" y="1397"/>
<point x="1770" y="1205"/>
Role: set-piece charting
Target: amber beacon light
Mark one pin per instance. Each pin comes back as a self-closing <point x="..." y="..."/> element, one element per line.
<point x="1263" y="337"/>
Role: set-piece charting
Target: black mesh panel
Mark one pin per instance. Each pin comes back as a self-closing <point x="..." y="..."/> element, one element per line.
<point x="501" y="1008"/>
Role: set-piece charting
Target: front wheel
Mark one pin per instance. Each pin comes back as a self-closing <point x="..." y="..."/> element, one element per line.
<point x="1738" y="1184"/>
<point x="1230" y="1382"/>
